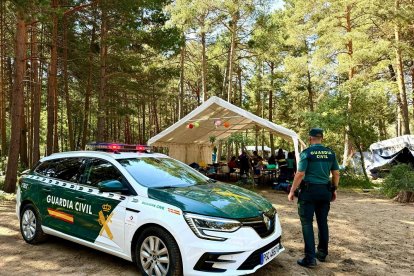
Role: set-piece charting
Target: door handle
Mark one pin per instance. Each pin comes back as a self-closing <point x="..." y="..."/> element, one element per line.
<point x="81" y="198"/>
<point x="46" y="189"/>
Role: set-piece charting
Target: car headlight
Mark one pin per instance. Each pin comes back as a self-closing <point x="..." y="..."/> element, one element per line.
<point x="199" y="224"/>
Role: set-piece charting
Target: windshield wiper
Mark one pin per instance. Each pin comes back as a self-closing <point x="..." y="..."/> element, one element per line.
<point x="211" y="180"/>
<point x="165" y="187"/>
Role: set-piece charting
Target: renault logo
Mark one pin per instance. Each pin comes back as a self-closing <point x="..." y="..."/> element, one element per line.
<point x="267" y="222"/>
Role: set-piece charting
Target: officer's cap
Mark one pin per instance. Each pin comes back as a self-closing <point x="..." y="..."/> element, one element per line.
<point x="316" y="132"/>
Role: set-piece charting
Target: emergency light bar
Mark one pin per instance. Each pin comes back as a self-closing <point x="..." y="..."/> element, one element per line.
<point x="114" y="147"/>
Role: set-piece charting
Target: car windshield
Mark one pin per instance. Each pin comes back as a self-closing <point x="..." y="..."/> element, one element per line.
<point x="155" y="172"/>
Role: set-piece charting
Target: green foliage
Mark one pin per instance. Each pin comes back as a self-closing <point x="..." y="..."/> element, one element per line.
<point x="400" y="178"/>
<point x="298" y="55"/>
<point x="351" y="180"/>
<point x="6" y="196"/>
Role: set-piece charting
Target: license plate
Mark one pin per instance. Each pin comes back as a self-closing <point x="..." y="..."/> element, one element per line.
<point x="271" y="254"/>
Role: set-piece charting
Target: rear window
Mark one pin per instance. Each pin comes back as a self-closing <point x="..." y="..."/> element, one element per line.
<point x="67" y="169"/>
<point x="156" y="172"/>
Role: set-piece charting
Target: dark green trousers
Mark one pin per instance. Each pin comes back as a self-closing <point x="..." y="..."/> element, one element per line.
<point x="314" y="199"/>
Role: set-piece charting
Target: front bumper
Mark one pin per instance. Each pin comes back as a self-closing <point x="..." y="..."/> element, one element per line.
<point x="239" y="254"/>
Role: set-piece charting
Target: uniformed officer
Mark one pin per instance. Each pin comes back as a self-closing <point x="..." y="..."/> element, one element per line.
<point x="315" y="194"/>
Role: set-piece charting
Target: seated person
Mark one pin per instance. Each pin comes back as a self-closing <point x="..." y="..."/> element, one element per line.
<point x="232" y="164"/>
<point x="291" y="164"/>
<point x="255" y="158"/>
<point x="244" y="164"/>
<point x="259" y="165"/>
<point x="272" y="160"/>
<point x="281" y="159"/>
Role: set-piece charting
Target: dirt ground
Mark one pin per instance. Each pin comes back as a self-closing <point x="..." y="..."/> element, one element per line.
<point x="369" y="236"/>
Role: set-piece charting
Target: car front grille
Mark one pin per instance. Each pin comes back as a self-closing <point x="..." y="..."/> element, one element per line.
<point x="259" y="225"/>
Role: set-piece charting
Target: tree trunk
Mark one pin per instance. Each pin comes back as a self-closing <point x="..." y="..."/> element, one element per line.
<point x="405" y="197"/>
<point x="351" y="72"/>
<point x="234" y="21"/>
<point x="88" y="91"/>
<point x="400" y="76"/>
<point x="272" y="75"/>
<point x="412" y="84"/>
<point x="56" y="136"/>
<point x="144" y="138"/>
<point x="226" y="75"/>
<point x="24" y="162"/>
<point x="239" y="76"/>
<point x="182" y="78"/>
<point x="219" y="151"/>
<point x="310" y="91"/>
<point x="17" y="105"/>
<point x="359" y="147"/>
<point x="203" y="66"/>
<point x="393" y="77"/>
<point x="66" y="85"/>
<point x="101" y="136"/>
<point x="3" y="93"/>
<point x="52" y="89"/>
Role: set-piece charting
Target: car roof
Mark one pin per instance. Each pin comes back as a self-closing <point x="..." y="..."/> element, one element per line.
<point x="102" y="154"/>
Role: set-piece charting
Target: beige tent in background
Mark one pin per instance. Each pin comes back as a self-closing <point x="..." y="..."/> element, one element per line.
<point x="194" y="144"/>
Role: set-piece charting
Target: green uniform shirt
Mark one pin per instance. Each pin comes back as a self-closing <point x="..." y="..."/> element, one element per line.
<point x="317" y="162"/>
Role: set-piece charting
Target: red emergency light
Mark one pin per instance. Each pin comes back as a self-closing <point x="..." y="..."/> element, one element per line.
<point x="115" y="147"/>
<point x="112" y="147"/>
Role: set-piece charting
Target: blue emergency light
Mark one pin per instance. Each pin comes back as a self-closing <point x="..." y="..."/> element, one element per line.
<point x="116" y="147"/>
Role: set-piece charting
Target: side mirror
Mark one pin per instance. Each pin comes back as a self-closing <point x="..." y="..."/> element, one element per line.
<point x="112" y="186"/>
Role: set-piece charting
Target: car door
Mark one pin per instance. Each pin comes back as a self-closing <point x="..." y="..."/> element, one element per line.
<point x="101" y="214"/>
<point x="59" y="179"/>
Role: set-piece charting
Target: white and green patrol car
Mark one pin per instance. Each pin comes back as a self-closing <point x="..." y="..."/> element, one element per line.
<point x="150" y="209"/>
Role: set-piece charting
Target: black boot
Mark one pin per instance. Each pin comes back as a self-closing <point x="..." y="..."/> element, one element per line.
<point x="305" y="262"/>
<point x="321" y="256"/>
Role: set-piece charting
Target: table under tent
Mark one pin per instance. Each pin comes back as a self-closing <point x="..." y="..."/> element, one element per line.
<point x="190" y="139"/>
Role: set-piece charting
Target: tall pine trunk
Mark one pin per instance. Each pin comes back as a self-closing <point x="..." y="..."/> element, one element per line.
<point x="102" y="106"/>
<point x="203" y="66"/>
<point x="66" y="85"/>
<point x="24" y="162"/>
<point x="272" y="75"/>
<point x="16" y="104"/>
<point x="3" y="93"/>
<point x="52" y="82"/>
<point x="400" y="76"/>
<point x="182" y="78"/>
<point x="234" y="22"/>
<point x="85" y="132"/>
<point x="351" y="72"/>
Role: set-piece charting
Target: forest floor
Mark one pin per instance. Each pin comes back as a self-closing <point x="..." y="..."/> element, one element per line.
<point x="370" y="235"/>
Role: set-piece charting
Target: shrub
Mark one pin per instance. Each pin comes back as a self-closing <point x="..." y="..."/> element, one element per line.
<point x="400" y="179"/>
<point x="350" y="180"/>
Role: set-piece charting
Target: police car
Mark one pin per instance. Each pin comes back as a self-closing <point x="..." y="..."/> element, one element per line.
<point x="149" y="209"/>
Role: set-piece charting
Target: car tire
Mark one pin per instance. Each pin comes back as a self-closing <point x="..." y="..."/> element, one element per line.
<point x="156" y="249"/>
<point x="31" y="226"/>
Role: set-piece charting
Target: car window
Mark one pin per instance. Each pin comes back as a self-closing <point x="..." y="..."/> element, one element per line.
<point x="67" y="169"/>
<point x="162" y="172"/>
<point x="101" y="170"/>
<point x="42" y="168"/>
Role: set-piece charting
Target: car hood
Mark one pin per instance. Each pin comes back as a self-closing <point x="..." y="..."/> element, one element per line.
<point x="215" y="199"/>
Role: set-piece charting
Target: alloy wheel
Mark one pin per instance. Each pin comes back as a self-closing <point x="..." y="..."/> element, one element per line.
<point x="154" y="256"/>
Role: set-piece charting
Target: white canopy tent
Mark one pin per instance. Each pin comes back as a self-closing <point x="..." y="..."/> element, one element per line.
<point x="194" y="145"/>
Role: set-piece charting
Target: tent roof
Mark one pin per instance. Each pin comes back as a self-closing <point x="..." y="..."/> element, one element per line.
<point x="393" y="145"/>
<point x="211" y="110"/>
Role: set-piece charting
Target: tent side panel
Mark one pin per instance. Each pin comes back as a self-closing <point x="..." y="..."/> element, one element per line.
<point x="191" y="153"/>
<point x="178" y="152"/>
